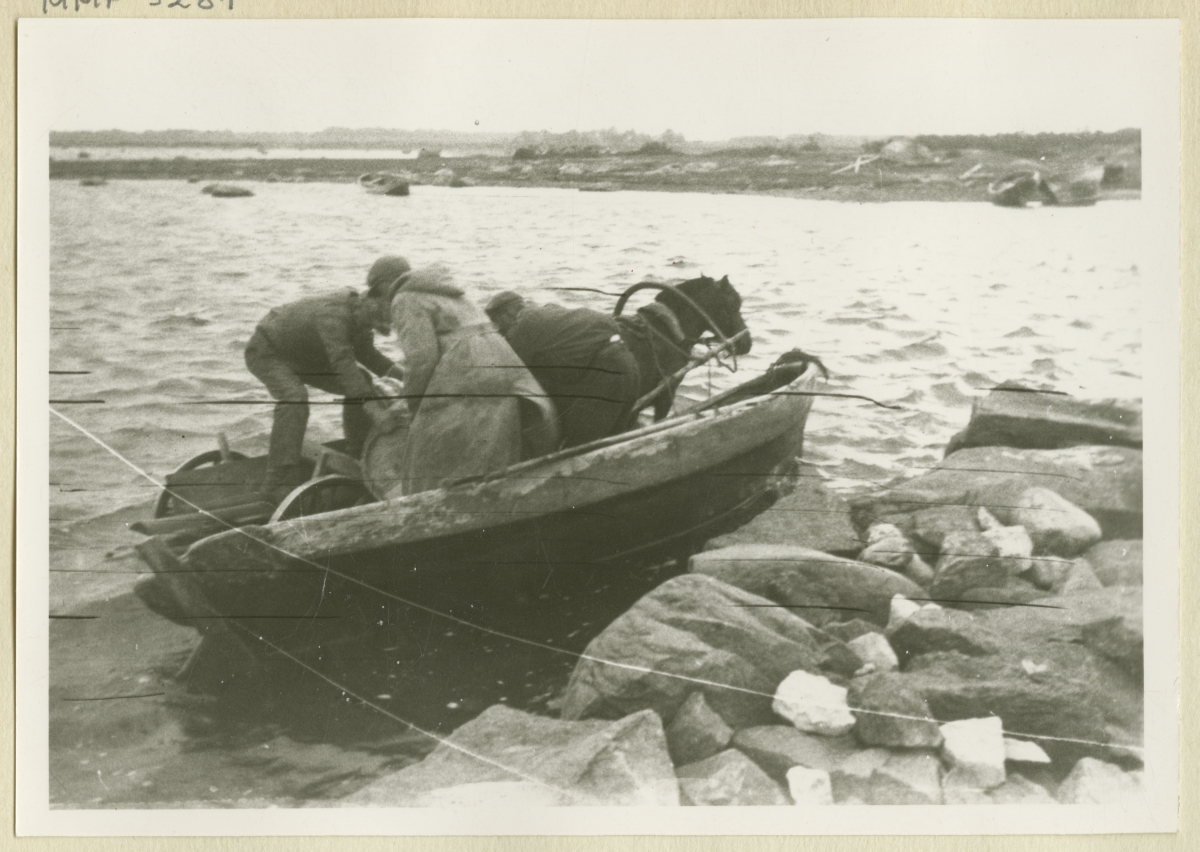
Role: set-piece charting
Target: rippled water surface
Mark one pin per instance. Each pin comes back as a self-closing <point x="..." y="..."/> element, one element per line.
<point x="155" y="289"/>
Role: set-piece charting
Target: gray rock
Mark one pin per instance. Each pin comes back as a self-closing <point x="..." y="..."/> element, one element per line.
<point x="967" y="561"/>
<point x="851" y="779"/>
<point x="777" y="748"/>
<point x="695" y="632"/>
<point x="875" y="650"/>
<point x="850" y="630"/>
<point x="1116" y="563"/>
<point x="1080" y="578"/>
<point x="1028" y="419"/>
<point x="1050" y="572"/>
<point x="598" y="762"/>
<point x="1059" y="690"/>
<point x="1014" y="546"/>
<point x="1015" y="591"/>
<point x="811" y="516"/>
<point x="1056" y="525"/>
<point x="932" y="525"/>
<point x="887" y="547"/>
<point x="942" y="629"/>
<point x="1024" y="751"/>
<point x="728" y="778"/>
<point x="696" y="732"/>
<point x="816" y="586"/>
<point x="919" y="571"/>
<point x="907" y="778"/>
<point x="1106" y="482"/>
<point x="1096" y="782"/>
<point x="891" y="714"/>
<point x="1019" y="790"/>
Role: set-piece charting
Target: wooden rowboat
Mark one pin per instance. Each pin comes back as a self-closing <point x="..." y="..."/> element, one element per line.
<point x="630" y="500"/>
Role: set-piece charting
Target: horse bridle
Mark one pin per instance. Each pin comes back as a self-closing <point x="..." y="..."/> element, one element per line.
<point x="686" y="298"/>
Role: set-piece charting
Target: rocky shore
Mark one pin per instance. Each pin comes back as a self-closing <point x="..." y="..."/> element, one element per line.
<point x="972" y="635"/>
<point x="950" y="175"/>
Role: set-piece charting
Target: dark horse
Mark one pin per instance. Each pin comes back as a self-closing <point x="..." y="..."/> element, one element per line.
<point x="661" y="335"/>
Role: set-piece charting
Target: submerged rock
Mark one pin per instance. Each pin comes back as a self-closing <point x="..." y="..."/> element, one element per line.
<point x="816" y="586"/>
<point x="812" y="703"/>
<point x="696" y="732"/>
<point x="597" y="762"/>
<point x="696" y="633"/>
<point x="1035" y="420"/>
<point x="728" y="778"/>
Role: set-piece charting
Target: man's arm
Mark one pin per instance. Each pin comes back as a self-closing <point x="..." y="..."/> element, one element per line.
<point x="334" y="329"/>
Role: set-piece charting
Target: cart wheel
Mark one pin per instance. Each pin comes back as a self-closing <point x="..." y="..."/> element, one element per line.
<point x="212" y="457"/>
<point x="323" y="494"/>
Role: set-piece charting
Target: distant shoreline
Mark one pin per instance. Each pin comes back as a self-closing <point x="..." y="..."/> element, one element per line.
<point x="823" y="175"/>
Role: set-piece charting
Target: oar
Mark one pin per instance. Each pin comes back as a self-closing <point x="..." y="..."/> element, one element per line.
<point x="692" y="364"/>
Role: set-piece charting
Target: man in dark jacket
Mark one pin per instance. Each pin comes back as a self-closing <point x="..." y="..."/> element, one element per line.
<point x="321" y="342"/>
<point x="578" y="356"/>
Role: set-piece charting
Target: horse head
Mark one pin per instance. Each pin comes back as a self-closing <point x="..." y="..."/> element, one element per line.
<point x="717" y="299"/>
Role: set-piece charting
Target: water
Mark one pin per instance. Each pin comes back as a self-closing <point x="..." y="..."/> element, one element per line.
<point x="155" y="288"/>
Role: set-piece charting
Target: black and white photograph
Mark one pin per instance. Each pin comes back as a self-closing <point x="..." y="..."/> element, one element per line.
<point x="479" y="426"/>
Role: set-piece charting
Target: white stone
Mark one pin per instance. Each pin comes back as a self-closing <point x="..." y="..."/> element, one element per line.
<point x="1023" y="751"/>
<point x="902" y="609"/>
<point x="974" y="751"/>
<point x="878" y="532"/>
<point x="812" y="703"/>
<point x="987" y="521"/>
<point x="1015" y="547"/>
<point x="874" y="649"/>
<point x="809" y="786"/>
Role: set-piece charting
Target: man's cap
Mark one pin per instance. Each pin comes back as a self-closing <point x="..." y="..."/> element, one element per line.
<point x="384" y="273"/>
<point x="503" y="300"/>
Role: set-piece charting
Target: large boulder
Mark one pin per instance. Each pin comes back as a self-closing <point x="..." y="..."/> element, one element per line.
<point x="1106" y="482"/>
<point x="940" y="629"/>
<point x="968" y="561"/>
<point x="695" y="632"/>
<point x="1097" y="782"/>
<point x="1017" y="417"/>
<point x="728" y="778"/>
<point x="525" y="758"/>
<point x="816" y="586"/>
<point x="811" y="516"/>
<point x="1059" y="690"/>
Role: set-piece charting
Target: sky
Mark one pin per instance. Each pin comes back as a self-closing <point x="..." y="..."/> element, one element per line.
<point x="709" y="80"/>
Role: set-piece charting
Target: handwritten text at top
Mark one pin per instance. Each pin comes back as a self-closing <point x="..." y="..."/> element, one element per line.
<point x="66" y="5"/>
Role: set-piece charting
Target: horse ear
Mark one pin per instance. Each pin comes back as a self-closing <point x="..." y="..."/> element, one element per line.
<point x="724" y="280"/>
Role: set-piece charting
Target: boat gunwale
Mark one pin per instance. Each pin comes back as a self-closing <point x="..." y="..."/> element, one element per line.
<point x="552" y="468"/>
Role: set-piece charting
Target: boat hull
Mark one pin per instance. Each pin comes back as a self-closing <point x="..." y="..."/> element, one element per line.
<point x="480" y="549"/>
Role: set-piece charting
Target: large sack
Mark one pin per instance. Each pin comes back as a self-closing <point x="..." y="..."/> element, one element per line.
<point x="696" y="633"/>
<point x="1106" y="482"/>
<point x="514" y="756"/>
<point x="816" y="586"/>
<point x="1033" y="420"/>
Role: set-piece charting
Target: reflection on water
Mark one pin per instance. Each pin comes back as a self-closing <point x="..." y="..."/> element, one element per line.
<point x="155" y="288"/>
